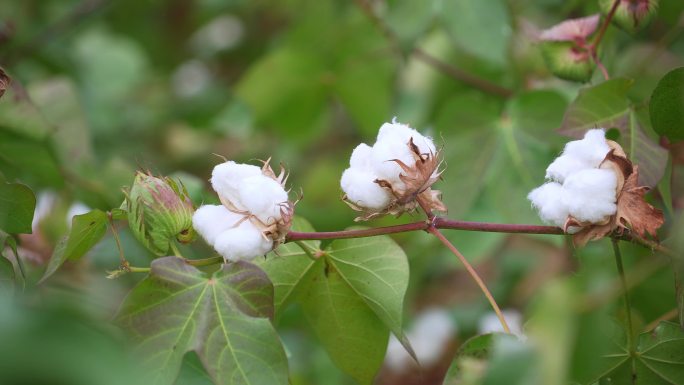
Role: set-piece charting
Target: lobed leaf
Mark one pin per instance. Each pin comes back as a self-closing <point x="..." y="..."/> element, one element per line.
<point x="224" y="318"/>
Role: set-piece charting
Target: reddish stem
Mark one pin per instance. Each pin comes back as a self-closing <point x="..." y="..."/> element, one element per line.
<point x="593" y="48"/>
<point x="473" y="274"/>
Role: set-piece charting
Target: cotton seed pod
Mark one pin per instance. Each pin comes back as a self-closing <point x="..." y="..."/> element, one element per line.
<point x="631" y="15"/>
<point x="565" y="48"/>
<point x="568" y="61"/>
<point x="159" y="212"/>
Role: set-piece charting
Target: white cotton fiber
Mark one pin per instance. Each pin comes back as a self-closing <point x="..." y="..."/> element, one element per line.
<point x="227" y="177"/>
<point x="590" y="150"/>
<point x="490" y="323"/>
<point x="361" y="189"/>
<point x="244" y="242"/>
<point x="262" y="196"/>
<point x="361" y="157"/>
<point x="548" y="201"/>
<point x="563" y="166"/>
<point x="429" y="336"/>
<point x="382" y="159"/>
<point x="590" y="195"/>
<point x="212" y="220"/>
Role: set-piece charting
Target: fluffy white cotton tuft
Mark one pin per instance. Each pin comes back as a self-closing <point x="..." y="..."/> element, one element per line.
<point x="547" y="199"/>
<point x="262" y="196"/>
<point x="383" y="155"/>
<point x="590" y="195"/>
<point x="361" y="189"/>
<point x="361" y="157"/>
<point x="244" y="242"/>
<point x="579" y="188"/>
<point x="591" y="150"/>
<point x="563" y="166"/>
<point x="227" y="177"/>
<point x="212" y="220"/>
<point x="378" y="162"/>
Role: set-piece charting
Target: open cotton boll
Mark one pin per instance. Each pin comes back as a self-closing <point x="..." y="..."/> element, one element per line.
<point x="244" y="242"/>
<point x="547" y="199"/>
<point x="211" y="220"/>
<point x="590" y="195"/>
<point x="262" y="196"/>
<point x="397" y="132"/>
<point x="382" y="159"/>
<point x="361" y="189"/>
<point x="565" y="165"/>
<point x="592" y="149"/>
<point x="361" y="157"/>
<point x="227" y="177"/>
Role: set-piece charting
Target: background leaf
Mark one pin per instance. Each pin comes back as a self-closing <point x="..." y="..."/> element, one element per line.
<point x="17" y="203"/>
<point x="667" y="105"/>
<point x="86" y="231"/>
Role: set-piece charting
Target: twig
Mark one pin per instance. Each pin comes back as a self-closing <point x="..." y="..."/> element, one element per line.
<point x="473" y="274"/>
<point x="446" y="68"/>
<point x="593" y="48"/>
<point x="625" y="295"/>
<point x="665" y="317"/>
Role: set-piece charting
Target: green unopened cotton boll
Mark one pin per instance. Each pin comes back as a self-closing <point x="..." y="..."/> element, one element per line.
<point x="631" y="15"/>
<point x="567" y="61"/>
<point x="159" y="212"/>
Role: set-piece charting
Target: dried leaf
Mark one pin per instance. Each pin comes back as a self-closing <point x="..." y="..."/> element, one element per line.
<point x="633" y="212"/>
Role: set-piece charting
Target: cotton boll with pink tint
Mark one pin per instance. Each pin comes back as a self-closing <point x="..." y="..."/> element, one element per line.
<point x="262" y="196"/>
<point x="547" y="199"/>
<point x="590" y="195"/>
<point x="211" y="220"/>
<point x="227" y="177"/>
<point x="360" y="188"/>
<point x="244" y="242"/>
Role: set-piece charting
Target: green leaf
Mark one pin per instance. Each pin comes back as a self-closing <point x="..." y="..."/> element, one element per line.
<point x="7" y="275"/>
<point x="224" y="318"/>
<point x="285" y="90"/>
<point x="17" y="204"/>
<point x="86" y="231"/>
<point x="352" y="334"/>
<point x="657" y="360"/>
<point x="470" y="24"/>
<point x="352" y="296"/>
<point x="602" y="105"/>
<point x="606" y="105"/>
<point x="21" y="156"/>
<point x="466" y="367"/>
<point x="492" y="359"/>
<point x="290" y="267"/>
<point x="667" y="105"/>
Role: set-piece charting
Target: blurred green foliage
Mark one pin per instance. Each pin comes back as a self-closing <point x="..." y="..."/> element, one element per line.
<point x="103" y="88"/>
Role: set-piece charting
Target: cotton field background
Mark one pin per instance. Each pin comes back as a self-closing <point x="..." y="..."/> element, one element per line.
<point x="332" y="192"/>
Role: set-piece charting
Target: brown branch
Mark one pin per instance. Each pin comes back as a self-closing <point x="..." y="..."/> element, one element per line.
<point x="593" y="48"/>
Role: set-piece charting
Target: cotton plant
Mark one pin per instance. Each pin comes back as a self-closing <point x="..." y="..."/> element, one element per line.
<point x="255" y="214"/>
<point x="592" y="190"/>
<point x="394" y="175"/>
